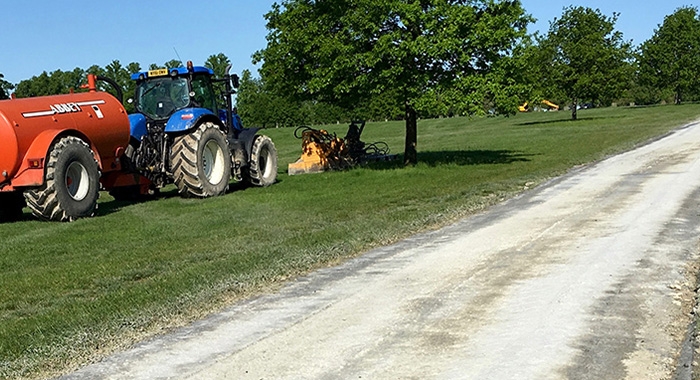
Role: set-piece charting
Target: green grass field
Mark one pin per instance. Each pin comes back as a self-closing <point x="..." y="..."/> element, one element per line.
<point x="70" y="292"/>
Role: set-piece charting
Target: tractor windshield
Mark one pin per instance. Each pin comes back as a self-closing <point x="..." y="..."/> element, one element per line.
<point x="158" y="98"/>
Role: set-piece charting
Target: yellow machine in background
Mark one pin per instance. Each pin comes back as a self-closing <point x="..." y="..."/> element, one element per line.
<point x="526" y="107"/>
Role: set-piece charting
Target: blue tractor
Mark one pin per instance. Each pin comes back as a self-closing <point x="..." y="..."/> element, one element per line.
<point x="180" y="135"/>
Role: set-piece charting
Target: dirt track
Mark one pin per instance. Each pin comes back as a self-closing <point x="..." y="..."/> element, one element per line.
<point x="591" y="276"/>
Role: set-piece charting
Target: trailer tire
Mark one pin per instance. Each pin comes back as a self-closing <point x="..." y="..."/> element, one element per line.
<point x="71" y="185"/>
<point x="262" y="168"/>
<point x="11" y="204"/>
<point x="201" y="162"/>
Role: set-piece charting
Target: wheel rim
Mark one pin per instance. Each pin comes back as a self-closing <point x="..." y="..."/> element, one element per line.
<point x="265" y="161"/>
<point x="77" y="182"/>
<point x="213" y="162"/>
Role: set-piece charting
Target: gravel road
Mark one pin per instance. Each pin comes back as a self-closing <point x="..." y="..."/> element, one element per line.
<point x="591" y="276"/>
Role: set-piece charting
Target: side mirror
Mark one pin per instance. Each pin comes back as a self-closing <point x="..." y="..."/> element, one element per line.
<point x="235" y="81"/>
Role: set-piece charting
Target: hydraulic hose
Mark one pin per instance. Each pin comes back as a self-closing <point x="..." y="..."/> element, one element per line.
<point x="115" y="85"/>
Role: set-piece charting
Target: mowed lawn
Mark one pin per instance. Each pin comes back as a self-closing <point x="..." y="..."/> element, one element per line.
<point x="71" y="292"/>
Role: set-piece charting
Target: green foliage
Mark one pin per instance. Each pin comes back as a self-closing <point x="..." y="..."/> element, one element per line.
<point x="5" y="88"/>
<point x="61" y="82"/>
<point x="57" y="82"/>
<point x="173" y="63"/>
<point x="402" y="47"/>
<point x="669" y="62"/>
<point x="255" y="105"/>
<point x="438" y="52"/>
<point x="121" y="75"/>
<point x="260" y="107"/>
<point x="218" y="64"/>
<point x="583" y="58"/>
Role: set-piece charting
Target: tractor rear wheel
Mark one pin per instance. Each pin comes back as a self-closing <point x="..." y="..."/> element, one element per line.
<point x="11" y="205"/>
<point x="201" y="162"/>
<point x="262" y="169"/>
<point x="72" y="183"/>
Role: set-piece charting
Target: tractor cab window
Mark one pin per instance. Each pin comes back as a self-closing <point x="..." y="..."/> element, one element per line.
<point x="203" y="92"/>
<point x="158" y="98"/>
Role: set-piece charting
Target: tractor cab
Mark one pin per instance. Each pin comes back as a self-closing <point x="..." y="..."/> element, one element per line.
<point x="175" y="98"/>
<point x="161" y="93"/>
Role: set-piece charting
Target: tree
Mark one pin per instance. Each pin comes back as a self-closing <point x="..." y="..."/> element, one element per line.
<point x="670" y="59"/>
<point x="120" y="74"/>
<point x="345" y="51"/>
<point x="5" y="88"/>
<point x="582" y="58"/>
<point x="259" y="107"/>
<point x="57" y="82"/>
<point x="173" y="63"/>
<point x="218" y="63"/>
<point x="253" y="105"/>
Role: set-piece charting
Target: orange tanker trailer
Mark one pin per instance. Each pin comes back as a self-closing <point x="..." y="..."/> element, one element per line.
<point x="54" y="151"/>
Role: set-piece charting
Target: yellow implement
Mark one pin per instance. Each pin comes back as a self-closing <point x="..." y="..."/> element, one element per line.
<point x="526" y="107"/>
<point x="321" y="151"/>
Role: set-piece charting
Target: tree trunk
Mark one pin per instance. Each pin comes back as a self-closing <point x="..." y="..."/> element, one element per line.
<point x="574" y="108"/>
<point x="410" y="153"/>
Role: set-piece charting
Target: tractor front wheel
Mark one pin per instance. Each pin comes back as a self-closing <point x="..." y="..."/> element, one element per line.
<point x="72" y="183"/>
<point x="262" y="169"/>
<point x="201" y="162"/>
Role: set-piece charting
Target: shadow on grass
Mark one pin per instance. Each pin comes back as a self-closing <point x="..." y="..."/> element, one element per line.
<point x="457" y="157"/>
<point x="114" y="206"/>
<point x="570" y="121"/>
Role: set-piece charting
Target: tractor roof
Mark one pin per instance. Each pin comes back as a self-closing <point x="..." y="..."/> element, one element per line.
<point x="165" y="72"/>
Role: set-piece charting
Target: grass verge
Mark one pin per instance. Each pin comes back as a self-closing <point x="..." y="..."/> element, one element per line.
<point x="72" y="292"/>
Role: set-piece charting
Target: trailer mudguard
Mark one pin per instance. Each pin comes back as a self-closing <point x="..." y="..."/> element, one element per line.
<point x="188" y="118"/>
<point x="31" y="170"/>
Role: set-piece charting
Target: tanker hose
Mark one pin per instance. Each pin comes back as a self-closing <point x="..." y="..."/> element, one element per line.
<point x="115" y="85"/>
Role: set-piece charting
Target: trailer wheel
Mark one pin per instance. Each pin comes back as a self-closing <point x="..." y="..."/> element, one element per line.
<point x="201" y="162"/>
<point x="262" y="169"/>
<point x="11" y="205"/>
<point x="72" y="183"/>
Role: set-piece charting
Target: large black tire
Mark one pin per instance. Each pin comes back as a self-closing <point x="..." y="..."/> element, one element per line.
<point x="72" y="183"/>
<point x="201" y="162"/>
<point x="11" y="204"/>
<point x="262" y="168"/>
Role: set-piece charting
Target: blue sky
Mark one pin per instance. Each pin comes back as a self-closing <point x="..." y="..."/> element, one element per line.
<point x="42" y="35"/>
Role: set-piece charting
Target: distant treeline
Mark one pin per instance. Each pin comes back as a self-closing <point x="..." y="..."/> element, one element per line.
<point x="581" y="60"/>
